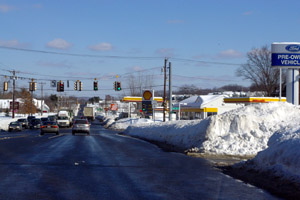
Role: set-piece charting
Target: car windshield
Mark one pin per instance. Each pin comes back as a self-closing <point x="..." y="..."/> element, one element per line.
<point x="44" y="119"/>
<point x="81" y="121"/>
<point x="14" y="123"/>
<point x="63" y="117"/>
<point x="21" y="120"/>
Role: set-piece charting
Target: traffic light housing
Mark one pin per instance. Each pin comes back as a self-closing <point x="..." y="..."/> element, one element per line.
<point x="119" y="86"/>
<point x="143" y="107"/>
<point x="5" y="86"/>
<point x="80" y="85"/>
<point x="115" y="85"/>
<point x="32" y="86"/>
<point x="75" y="86"/>
<point x="60" y="86"/>
<point x="95" y="85"/>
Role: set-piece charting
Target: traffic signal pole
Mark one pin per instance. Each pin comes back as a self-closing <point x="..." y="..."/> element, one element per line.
<point x="165" y="83"/>
<point x="14" y="86"/>
<point x="170" y="92"/>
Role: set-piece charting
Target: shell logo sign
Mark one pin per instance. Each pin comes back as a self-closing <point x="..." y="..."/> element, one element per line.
<point x="147" y="95"/>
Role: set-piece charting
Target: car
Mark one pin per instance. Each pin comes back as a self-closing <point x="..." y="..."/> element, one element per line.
<point x="35" y="123"/>
<point x="30" y="118"/>
<point x="49" y="127"/>
<point x="52" y="118"/>
<point x="15" y="126"/>
<point x="81" y="126"/>
<point x="24" y="122"/>
<point x="44" y="119"/>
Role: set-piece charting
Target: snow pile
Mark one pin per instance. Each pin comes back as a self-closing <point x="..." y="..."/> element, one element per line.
<point x="4" y="122"/>
<point x="122" y="124"/>
<point x="282" y="157"/>
<point x="246" y="131"/>
<point x="183" y="134"/>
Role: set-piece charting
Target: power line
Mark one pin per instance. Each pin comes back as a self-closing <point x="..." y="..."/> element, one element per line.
<point x="118" y="57"/>
<point x="80" y="55"/>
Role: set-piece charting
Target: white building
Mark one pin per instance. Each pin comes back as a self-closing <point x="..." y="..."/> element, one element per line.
<point x="200" y="107"/>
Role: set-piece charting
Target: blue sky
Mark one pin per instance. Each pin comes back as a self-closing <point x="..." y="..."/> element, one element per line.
<point x="220" y="31"/>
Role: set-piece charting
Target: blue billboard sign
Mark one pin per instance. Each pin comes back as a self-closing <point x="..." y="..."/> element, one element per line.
<point x="286" y="55"/>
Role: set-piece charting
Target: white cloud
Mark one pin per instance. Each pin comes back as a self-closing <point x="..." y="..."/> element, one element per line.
<point x="230" y="53"/>
<point x="166" y="52"/>
<point x="12" y="43"/>
<point x="59" y="43"/>
<point x="5" y="8"/>
<point x="101" y="47"/>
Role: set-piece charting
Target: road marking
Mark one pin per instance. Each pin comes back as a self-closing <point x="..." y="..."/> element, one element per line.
<point x="7" y="138"/>
<point x="56" y="136"/>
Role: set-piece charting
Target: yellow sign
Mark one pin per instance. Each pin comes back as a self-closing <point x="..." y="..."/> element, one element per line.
<point x="147" y="95"/>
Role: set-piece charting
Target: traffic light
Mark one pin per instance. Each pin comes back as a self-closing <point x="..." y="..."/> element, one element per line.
<point x="5" y="86"/>
<point x="115" y="85"/>
<point x="143" y="107"/>
<point x="119" y="86"/>
<point x="32" y="86"/>
<point x="80" y="85"/>
<point x="95" y="85"/>
<point x="75" y="85"/>
<point x="60" y="86"/>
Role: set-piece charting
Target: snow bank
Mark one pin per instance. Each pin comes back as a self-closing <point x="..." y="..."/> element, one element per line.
<point x="4" y="122"/>
<point x="282" y="157"/>
<point x="183" y="134"/>
<point x="122" y="124"/>
<point x="246" y="131"/>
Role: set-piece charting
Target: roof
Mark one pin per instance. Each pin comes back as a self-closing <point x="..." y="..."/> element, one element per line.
<point x="253" y="99"/>
<point x="200" y="101"/>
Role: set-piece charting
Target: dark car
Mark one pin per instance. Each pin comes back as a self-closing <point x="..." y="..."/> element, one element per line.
<point x="35" y="123"/>
<point x="15" y="126"/>
<point x="52" y="118"/>
<point x="44" y="119"/>
<point x="81" y="126"/>
<point x="24" y="122"/>
<point x="49" y="127"/>
<point x="29" y="119"/>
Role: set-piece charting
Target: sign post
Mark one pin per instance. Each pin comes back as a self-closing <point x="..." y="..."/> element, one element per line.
<point x="287" y="55"/>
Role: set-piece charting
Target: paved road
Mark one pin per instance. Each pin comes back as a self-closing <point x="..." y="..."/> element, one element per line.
<point x="107" y="166"/>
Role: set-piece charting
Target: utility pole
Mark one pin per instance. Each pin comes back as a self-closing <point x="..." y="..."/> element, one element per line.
<point x="165" y="83"/>
<point x="14" y="86"/>
<point x="170" y="92"/>
<point x="42" y="98"/>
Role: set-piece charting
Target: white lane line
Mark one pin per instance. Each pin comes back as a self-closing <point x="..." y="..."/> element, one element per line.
<point x="7" y="138"/>
<point x="60" y="135"/>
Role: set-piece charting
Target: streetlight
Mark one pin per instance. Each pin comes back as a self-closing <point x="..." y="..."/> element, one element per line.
<point x="179" y="109"/>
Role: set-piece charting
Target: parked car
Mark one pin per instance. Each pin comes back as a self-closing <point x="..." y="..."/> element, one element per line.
<point x="24" y="122"/>
<point x="35" y="123"/>
<point x="81" y="126"/>
<point x="49" y="127"/>
<point x="44" y="119"/>
<point x="15" y="126"/>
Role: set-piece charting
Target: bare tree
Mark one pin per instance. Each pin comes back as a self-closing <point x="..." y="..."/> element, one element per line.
<point x="136" y="84"/>
<point x="258" y="69"/>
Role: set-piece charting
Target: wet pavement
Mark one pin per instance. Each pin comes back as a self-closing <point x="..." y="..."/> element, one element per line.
<point x="106" y="165"/>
